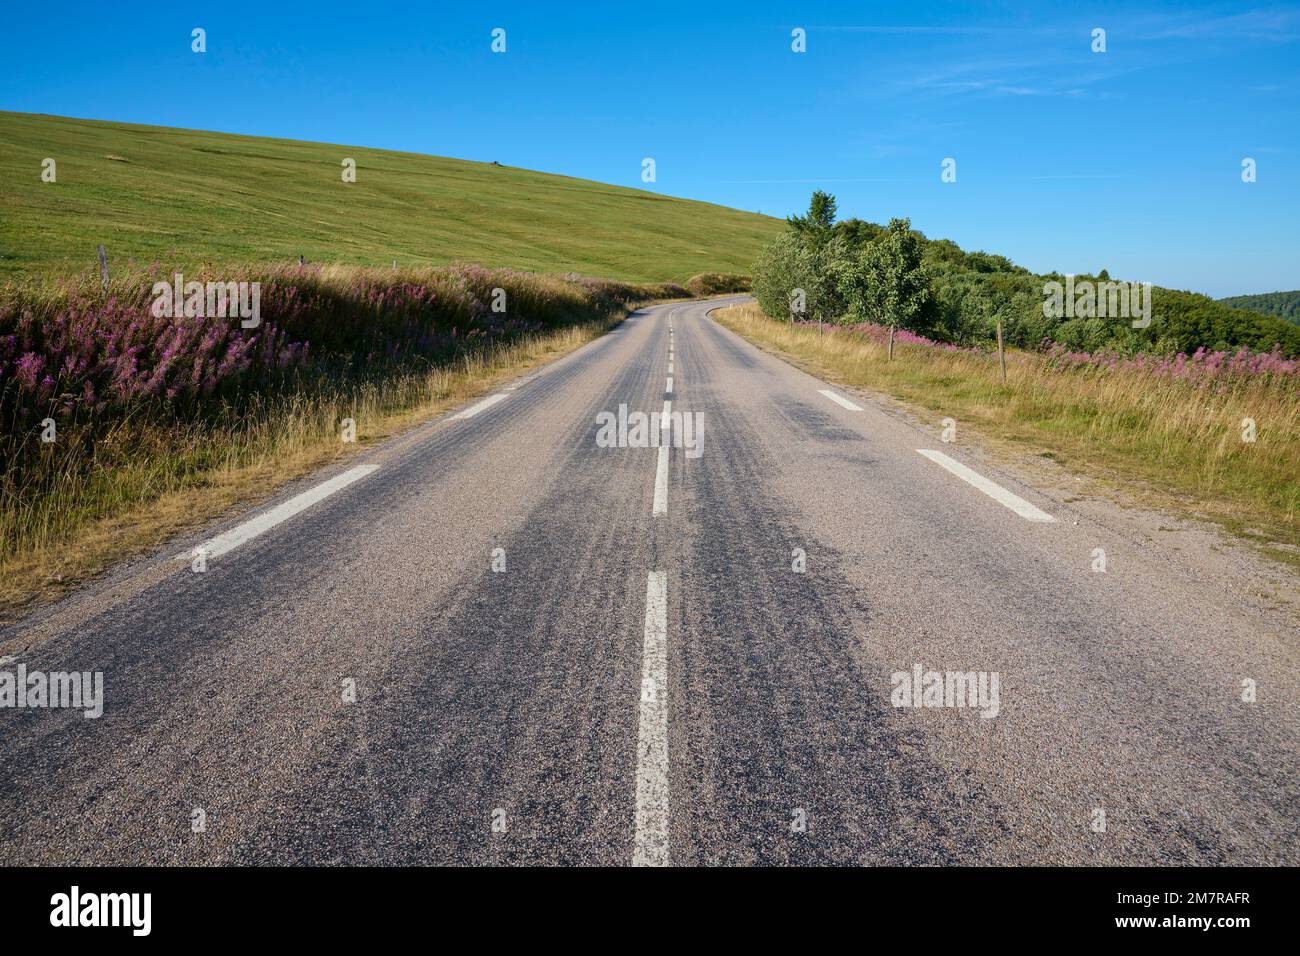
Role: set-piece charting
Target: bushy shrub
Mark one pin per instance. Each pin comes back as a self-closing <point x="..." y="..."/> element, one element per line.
<point x="717" y="283"/>
<point x="792" y="269"/>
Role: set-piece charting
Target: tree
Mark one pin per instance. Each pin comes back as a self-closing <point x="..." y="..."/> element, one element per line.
<point x="793" y="279"/>
<point x="856" y="233"/>
<point x="886" y="282"/>
<point x="819" y="221"/>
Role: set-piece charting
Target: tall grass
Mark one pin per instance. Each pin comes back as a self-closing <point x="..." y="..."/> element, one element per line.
<point x="160" y="422"/>
<point x="1168" y="430"/>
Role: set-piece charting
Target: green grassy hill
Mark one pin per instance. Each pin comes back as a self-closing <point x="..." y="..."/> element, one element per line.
<point x="185" y="197"/>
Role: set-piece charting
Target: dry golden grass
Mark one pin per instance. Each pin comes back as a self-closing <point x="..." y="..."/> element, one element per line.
<point x="1152" y="441"/>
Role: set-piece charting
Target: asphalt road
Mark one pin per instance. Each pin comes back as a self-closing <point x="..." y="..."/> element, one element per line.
<point x="654" y="687"/>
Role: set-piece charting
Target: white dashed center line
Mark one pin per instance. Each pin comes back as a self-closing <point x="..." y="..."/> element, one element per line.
<point x="229" y="540"/>
<point x="995" y="491"/>
<point x="661" y="482"/>
<point x="670" y="384"/>
<point x="840" y="400"/>
<point x="651" y="847"/>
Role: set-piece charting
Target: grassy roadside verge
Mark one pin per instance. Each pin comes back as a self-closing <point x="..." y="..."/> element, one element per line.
<point x="197" y="476"/>
<point x="1153" y="442"/>
<point x="164" y="423"/>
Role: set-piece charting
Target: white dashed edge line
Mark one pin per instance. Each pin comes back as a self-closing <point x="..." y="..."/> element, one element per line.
<point x="991" y="488"/>
<point x="229" y="540"/>
<point x="480" y="406"/>
<point x="840" y="400"/>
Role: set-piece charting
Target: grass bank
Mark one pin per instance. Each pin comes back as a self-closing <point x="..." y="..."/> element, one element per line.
<point x="161" y="423"/>
<point x="1161" y="435"/>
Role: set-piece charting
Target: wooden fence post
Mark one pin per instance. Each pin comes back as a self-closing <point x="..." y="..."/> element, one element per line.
<point x="1002" y="355"/>
<point x="891" y="343"/>
<point x="103" y="268"/>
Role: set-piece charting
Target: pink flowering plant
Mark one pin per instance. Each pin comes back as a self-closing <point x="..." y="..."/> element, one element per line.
<point x="1203" y="365"/>
<point x="71" y="349"/>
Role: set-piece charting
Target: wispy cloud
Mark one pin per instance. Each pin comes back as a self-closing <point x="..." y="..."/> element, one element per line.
<point x="947" y="30"/>
<point x="1026" y="77"/>
<point x="768" y="182"/>
<point x="1273" y="26"/>
<point x="1056" y="60"/>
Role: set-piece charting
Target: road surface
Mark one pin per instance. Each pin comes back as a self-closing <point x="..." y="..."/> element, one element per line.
<point x="492" y="641"/>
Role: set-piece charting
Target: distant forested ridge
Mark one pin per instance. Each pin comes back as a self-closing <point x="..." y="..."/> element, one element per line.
<point x="1285" y="305"/>
<point x="853" y="271"/>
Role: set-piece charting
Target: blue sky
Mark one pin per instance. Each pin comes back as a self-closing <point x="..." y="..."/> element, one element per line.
<point x="1066" y="159"/>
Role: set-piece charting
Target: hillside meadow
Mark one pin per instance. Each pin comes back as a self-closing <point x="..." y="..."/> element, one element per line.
<point x="191" y="198"/>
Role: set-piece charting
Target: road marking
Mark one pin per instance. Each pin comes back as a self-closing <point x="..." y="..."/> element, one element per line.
<point x="995" y="491"/>
<point x="661" y="482"/>
<point x="229" y="540"/>
<point x="651" y="848"/>
<point x="670" y="368"/>
<point x="670" y="384"/>
<point x="481" y="406"/>
<point x="661" y="466"/>
<point x="840" y="400"/>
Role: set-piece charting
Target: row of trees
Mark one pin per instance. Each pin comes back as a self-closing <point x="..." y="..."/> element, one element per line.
<point x="1285" y="305"/>
<point x="850" y="271"/>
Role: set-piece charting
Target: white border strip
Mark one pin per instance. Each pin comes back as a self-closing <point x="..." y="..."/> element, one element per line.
<point x="995" y="491"/>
